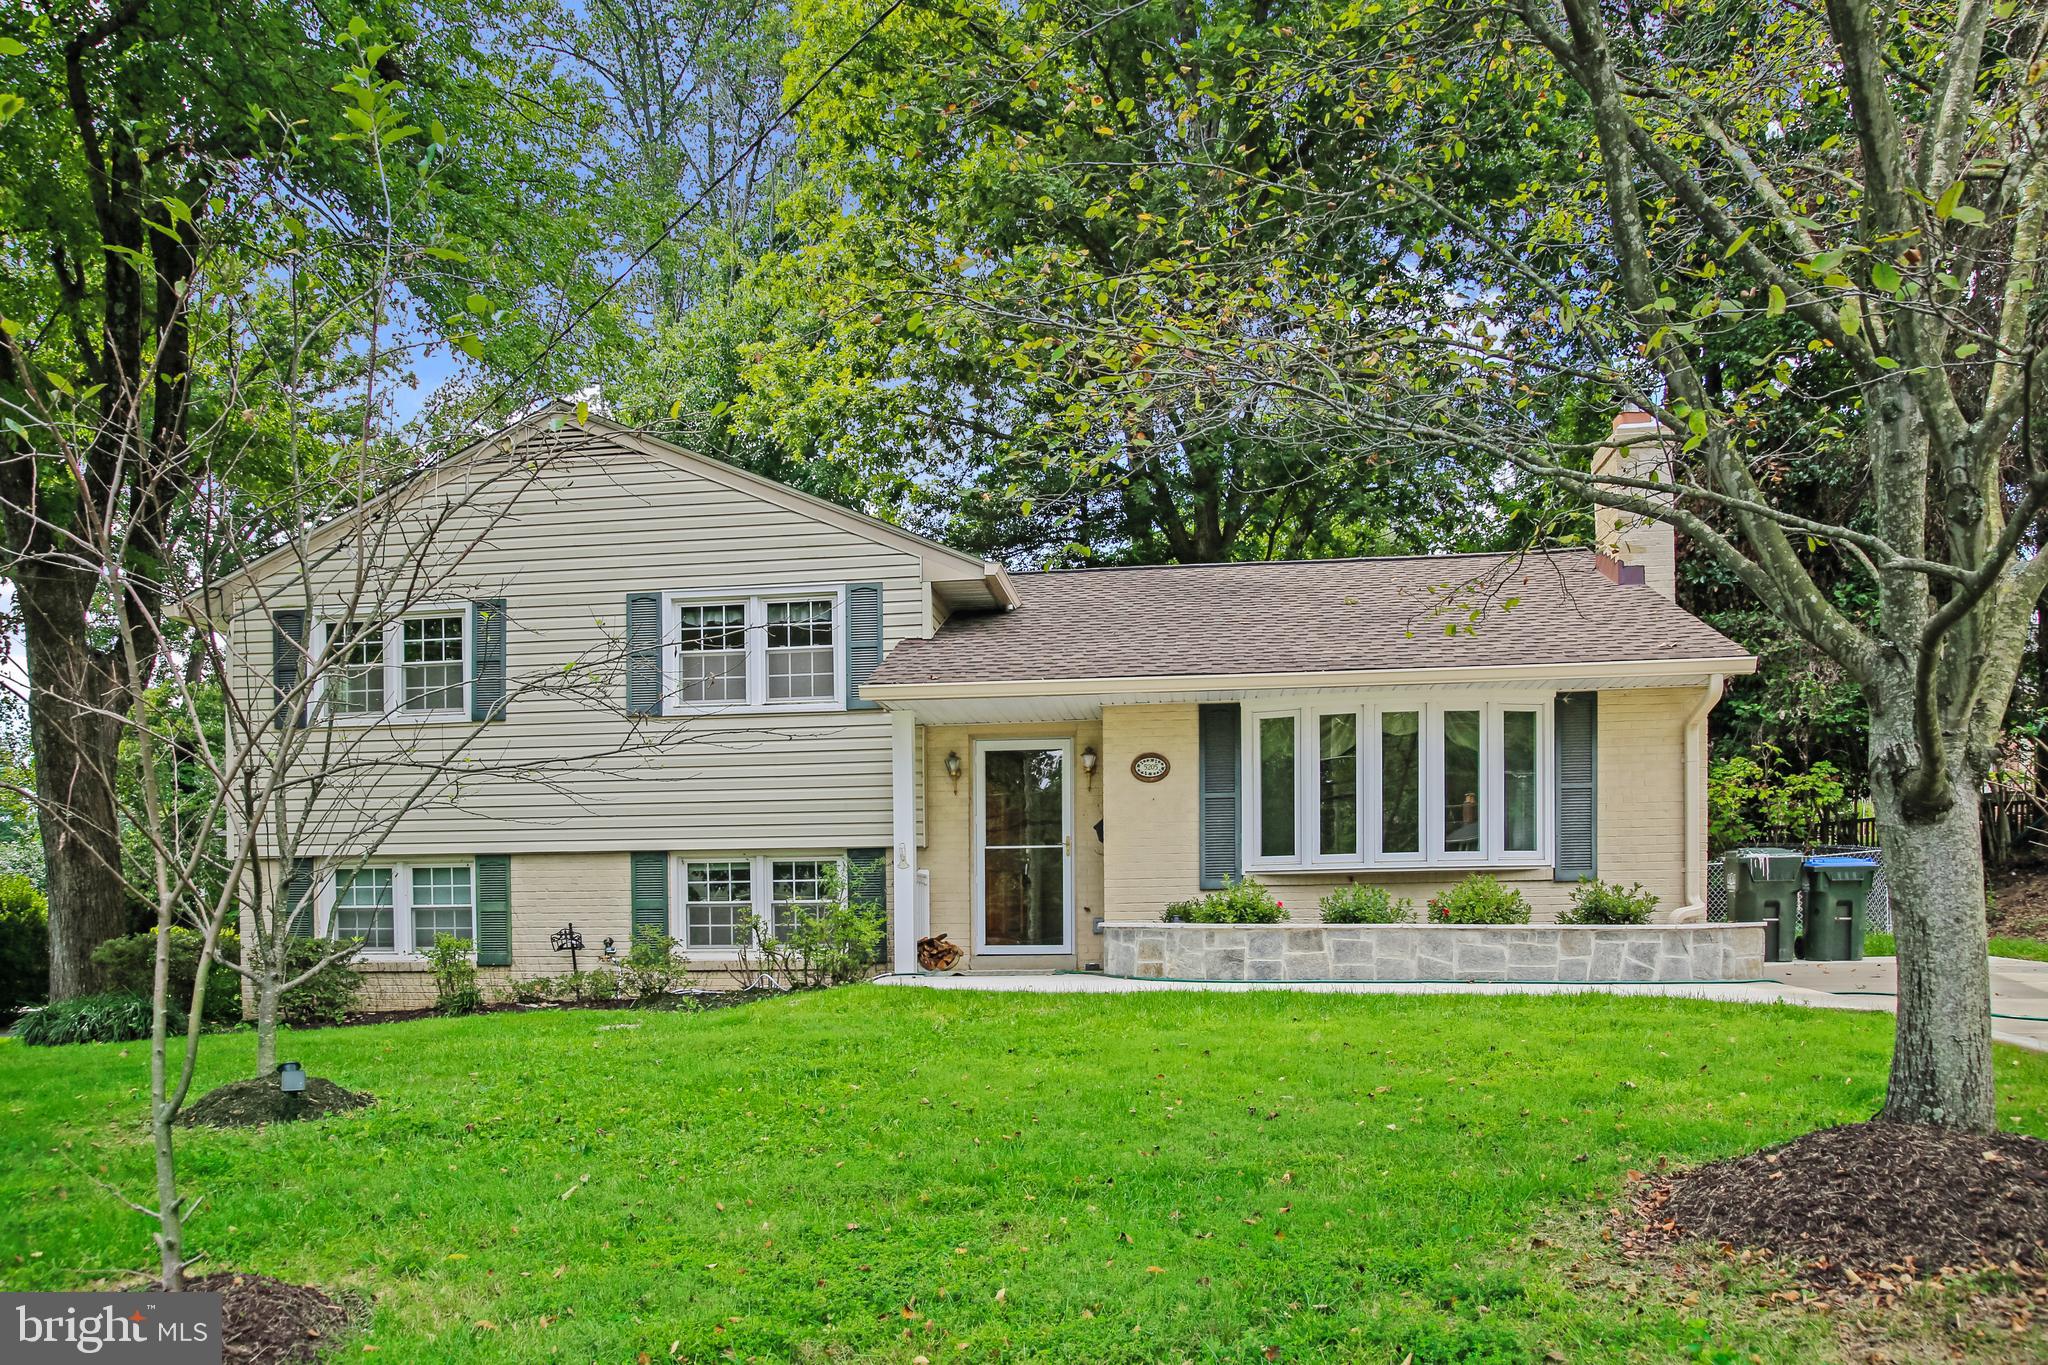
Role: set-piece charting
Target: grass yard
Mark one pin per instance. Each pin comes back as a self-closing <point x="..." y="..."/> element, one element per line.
<point x="880" y="1174"/>
<point x="1880" y="944"/>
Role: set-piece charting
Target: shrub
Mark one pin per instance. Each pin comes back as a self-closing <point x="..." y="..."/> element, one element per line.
<point x="24" y="943"/>
<point x="1245" y="902"/>
<point x="1478" y="900"/>
<point x="1746" y="799"/>
<point x="654" y="966"/>
<point x="832" y="946"/>
<point x="596" y="984"/>
<point x="1609" y="903"/>
<point x="130" y="965"/>
<point x="454" y="963"/>
<point x="329" y="994"/>
<point x="94" y="1019"/>
<point x="1355" y="904"/>
<point x="531" y="990"/>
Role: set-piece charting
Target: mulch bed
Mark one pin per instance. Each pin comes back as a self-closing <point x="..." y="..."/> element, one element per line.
<point x="247" y="1103"/>
<point x="1866" y="1205"/>
<point x="269" y="1322"/>
<point x="2020" y="902"/>
<point x="703" y="1000"/>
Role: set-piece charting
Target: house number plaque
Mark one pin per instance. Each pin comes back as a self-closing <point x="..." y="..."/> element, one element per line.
<point x="1150" y="767"/>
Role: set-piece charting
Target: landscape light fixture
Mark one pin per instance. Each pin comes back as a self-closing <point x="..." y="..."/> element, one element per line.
<point x="291" y="1078"/>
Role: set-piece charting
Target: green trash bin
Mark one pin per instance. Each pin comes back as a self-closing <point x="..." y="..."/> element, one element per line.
<point x="1837" y="888"/>
<point x="1763" y="888"/>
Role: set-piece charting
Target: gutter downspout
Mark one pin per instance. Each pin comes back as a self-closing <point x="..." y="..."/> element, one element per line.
<point x="1694" y="911"/>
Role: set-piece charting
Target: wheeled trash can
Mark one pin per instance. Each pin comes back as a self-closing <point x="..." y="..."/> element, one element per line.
<point x="1837" y="889"/>
<point x="1763" y="887"/>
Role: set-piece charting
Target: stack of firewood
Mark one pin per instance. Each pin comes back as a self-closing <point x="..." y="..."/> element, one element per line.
<point x="935" y="954"/>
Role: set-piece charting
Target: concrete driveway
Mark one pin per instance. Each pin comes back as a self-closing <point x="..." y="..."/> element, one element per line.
<point x="2019" y="992"/>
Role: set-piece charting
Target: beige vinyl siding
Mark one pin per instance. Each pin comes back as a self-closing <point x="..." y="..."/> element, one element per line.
<point x="564" y="545"/>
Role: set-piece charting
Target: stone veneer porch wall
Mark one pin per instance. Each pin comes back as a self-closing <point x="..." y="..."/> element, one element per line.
<point x="1433" y="952"/>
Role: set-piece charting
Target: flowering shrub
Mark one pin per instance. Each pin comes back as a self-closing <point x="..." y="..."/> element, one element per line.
<point x="1478" y="900"/>
<point x="1244" y="902"/>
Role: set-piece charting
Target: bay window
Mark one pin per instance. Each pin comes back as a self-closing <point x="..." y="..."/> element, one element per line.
<point x="1398" y="782"/>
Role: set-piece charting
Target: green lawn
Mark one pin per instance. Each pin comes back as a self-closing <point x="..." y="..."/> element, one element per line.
<point x="877" y="1174"/>
<point x="2034" y="950"/>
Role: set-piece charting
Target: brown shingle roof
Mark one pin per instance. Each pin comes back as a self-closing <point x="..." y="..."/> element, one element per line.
<point x="1313" y="616"/>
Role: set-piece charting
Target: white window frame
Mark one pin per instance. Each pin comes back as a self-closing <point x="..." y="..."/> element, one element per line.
<point x="393" y="711"/>
<point x="760" y="887"/>
<point x="402" y="929"/>
<point x="1430" y="707"/>
<point x="756" y="602"/>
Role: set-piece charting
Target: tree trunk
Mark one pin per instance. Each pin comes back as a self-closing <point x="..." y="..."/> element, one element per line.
<point x="170" y="1234"/>
<point x="266" y="1018"/>
<point x="1934" y="868"/>
<point x="75" y="727"/>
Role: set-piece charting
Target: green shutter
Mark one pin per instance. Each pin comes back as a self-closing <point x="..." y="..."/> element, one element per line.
<point x="863" y="641"/>
<point x="487" y="673"/>
<point x="867" y="877"/>
<point x="643" y="653"/>
<point x="1218" y="727"/>
<point x="867" y="886"/>
<point x="650" y="893"/>
<point x="493" y="910"/>
<point x="1578" y="808"/>
<point x="287" y="665"/>
<point x="297" y="892"/>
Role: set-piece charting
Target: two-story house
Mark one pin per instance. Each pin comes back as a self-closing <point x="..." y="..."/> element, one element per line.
<point x="578" y="676"/>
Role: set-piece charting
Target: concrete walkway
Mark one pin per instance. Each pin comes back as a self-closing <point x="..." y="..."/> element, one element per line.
<point x="2019" y="990"/>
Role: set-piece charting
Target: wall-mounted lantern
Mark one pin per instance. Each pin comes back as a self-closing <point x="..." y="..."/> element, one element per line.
<point x="1089" y="759"/>
<point x="953" y="769"/>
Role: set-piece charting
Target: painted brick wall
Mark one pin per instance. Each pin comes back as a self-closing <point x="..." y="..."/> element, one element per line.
<point x="1150" y="828"/>
<point x="549" y="892"/>
<point x="948" y="852"/>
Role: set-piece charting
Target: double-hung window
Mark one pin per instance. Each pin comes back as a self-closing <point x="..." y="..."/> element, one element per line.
<point x="405" y="906"/>
<point x="413" y="667"/>
<point x="1397" y="782"/>
<point x="722" y="895"/>
<point x="780" y="650"/>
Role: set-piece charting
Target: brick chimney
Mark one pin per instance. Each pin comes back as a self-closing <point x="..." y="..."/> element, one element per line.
<point x="1638" y="450"/>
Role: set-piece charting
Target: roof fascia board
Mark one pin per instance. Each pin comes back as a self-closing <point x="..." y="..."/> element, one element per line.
<point x="1385" y="677"/>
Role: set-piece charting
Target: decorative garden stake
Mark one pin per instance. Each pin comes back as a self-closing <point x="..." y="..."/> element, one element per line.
<point x="567" y="940"/>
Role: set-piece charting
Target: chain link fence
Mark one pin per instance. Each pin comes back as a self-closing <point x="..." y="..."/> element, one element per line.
<point x="1877" y="910"/>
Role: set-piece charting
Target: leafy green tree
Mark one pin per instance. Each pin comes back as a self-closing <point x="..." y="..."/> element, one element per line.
<point x="1001" y="188"/>
<point x="160" y="161"/>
